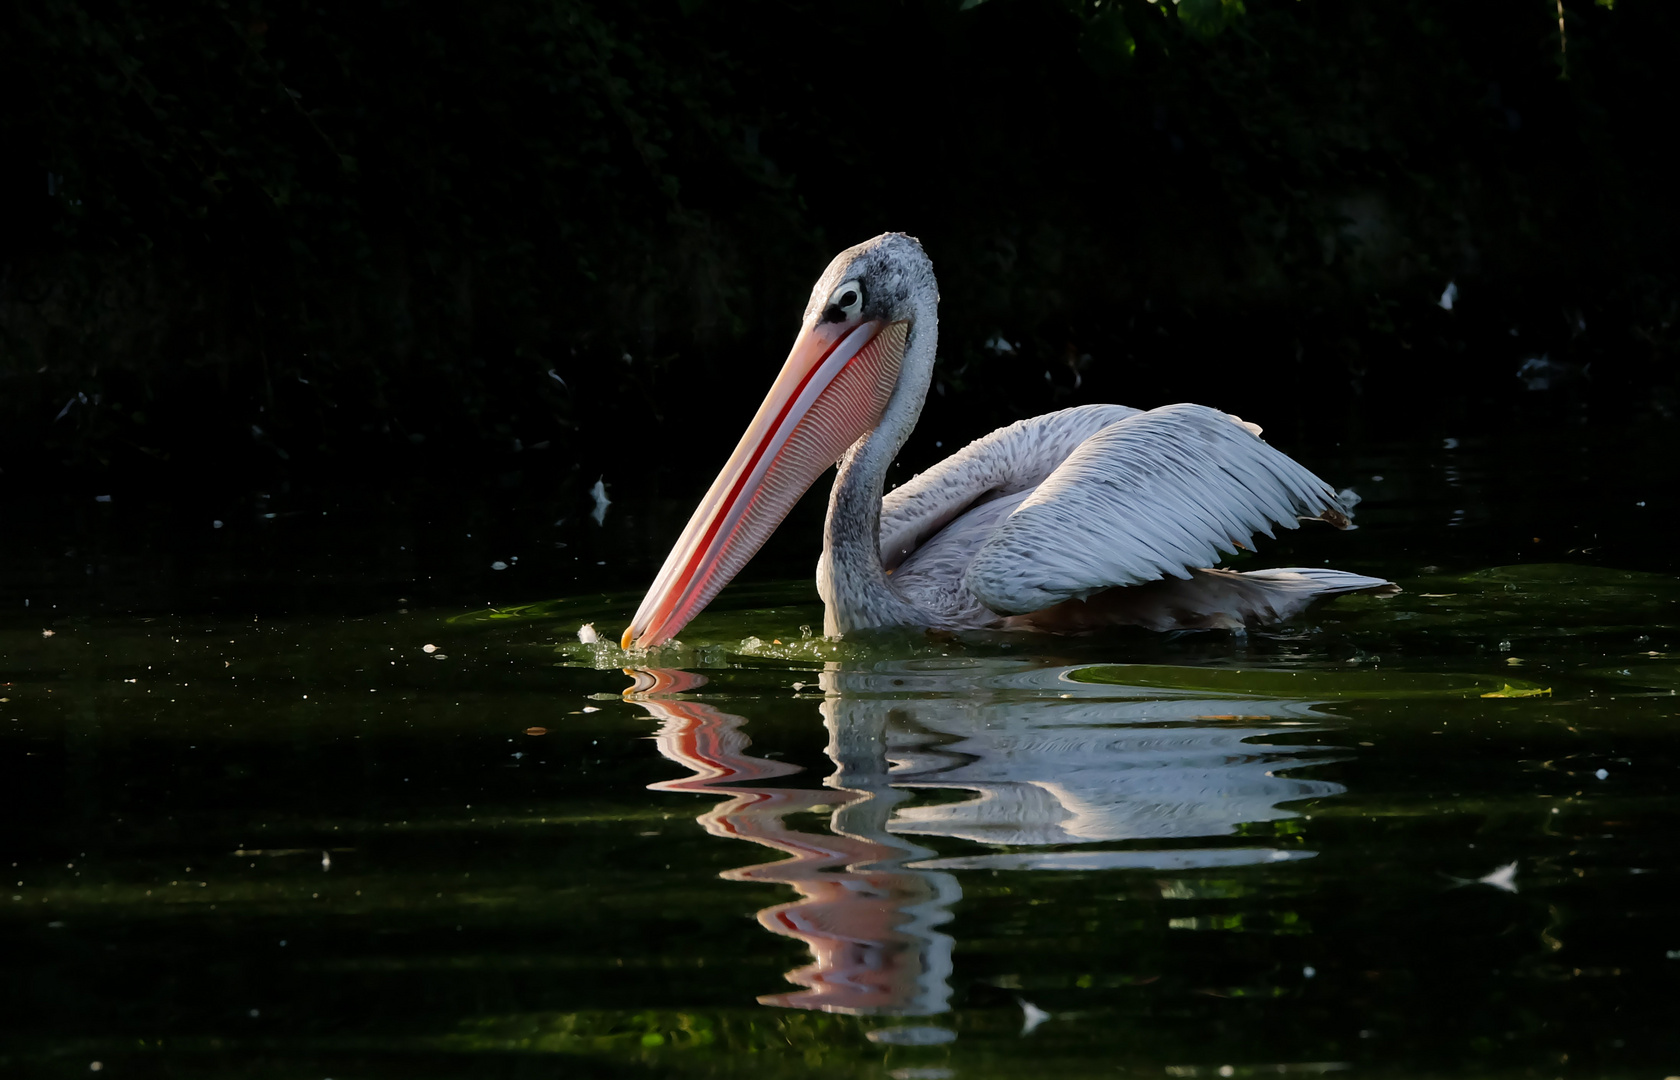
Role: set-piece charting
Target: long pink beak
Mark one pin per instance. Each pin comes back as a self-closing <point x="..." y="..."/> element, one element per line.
<point x="830" y="393"/>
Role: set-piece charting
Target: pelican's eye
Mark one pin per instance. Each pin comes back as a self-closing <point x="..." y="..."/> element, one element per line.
<point x="846" y="302"/>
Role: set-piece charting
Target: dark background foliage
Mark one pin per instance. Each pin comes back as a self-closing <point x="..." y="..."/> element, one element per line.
<point x="285" y="236"/>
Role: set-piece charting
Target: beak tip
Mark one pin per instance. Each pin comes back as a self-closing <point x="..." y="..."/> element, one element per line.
<point x="628" y="639"/>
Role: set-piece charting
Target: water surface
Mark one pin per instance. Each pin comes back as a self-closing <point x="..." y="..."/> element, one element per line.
<point x="368" y="807"/>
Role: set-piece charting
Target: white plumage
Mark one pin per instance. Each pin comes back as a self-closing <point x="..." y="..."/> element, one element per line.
<point x="1103" y="496"/>
<point x="1092" y="516"/>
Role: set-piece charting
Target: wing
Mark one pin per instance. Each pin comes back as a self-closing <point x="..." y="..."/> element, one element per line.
<point x="1153" y="495"/>
<point x="1009" y="460"/>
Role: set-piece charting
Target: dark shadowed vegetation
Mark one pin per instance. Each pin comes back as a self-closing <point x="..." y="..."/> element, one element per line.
<point x="282" y="235"/>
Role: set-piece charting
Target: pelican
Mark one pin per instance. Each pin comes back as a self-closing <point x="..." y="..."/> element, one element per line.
<point x="1092" y="516"/>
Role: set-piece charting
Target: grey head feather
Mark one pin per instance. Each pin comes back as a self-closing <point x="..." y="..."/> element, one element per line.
<point x="891" y="267"/>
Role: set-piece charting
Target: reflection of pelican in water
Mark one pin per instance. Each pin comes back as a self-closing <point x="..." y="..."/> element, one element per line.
<point x="1051" y="764"/>
<point x="1087" y="768"/>
<point x="870" y="923"/>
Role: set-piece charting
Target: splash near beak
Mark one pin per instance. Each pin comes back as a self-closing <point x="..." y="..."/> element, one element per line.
<point x="830" y="393"/>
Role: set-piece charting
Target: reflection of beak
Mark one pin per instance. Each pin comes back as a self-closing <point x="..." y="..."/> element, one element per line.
<point x="660" y="682"/>
<point x="830" y="393"/>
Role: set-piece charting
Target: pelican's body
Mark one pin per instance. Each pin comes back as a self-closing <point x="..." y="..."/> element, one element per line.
<point x="1091" y="516"/>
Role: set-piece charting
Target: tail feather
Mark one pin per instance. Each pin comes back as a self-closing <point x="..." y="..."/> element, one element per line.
<point x="1320" y="581"/>
<point x="1207" y="600"/>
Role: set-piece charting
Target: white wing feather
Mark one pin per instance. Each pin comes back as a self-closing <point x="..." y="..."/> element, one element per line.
<point x="1151" y="495"/>
<point x="1009" y="460"/>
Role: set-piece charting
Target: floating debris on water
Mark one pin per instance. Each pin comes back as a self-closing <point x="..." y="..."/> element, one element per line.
<point x="1031" y="1016"/>
<point x="917" y="1035"/>
<point x="1509" y="691"/>
<point x="588" y="634"/>
<point x="599" y="494"/>
<point x="428" y="648"/>
<point x="1503" y="878"/>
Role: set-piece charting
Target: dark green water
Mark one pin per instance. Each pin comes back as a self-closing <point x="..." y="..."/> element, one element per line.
<point x="286" y="800"/>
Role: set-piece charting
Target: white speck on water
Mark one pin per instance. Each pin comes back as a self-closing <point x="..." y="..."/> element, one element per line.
<point x="326" y="861"/>
<point x="428" y="648"/>
<point x="1031" y="1016"/>
<point x="216" y="524"/>
<point x="102" y="498"/>
<point x="1505" y="877"/>
<point x="1449" y="296"/>
<point x="556" y="377"/>
<point x="517" y="754"/>
<point x="498" y="565"/>
<point x="1227" y="1070"/>
<point x="590" y="708"/>
<point x="255" y="1013"/>
<point x="1602" y="774"/>
<point x="1449" y="444"/>
<point x="588" y="634"/>
<point x="1308" y="972"/>
<point x="599" y="494"/>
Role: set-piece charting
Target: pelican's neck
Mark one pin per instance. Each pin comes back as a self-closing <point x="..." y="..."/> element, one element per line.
<point x="854" y="585"/>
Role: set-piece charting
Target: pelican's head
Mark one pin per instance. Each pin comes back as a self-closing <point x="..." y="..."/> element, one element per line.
<point x="889" y="274"/>
<point x="838" y="382"/>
